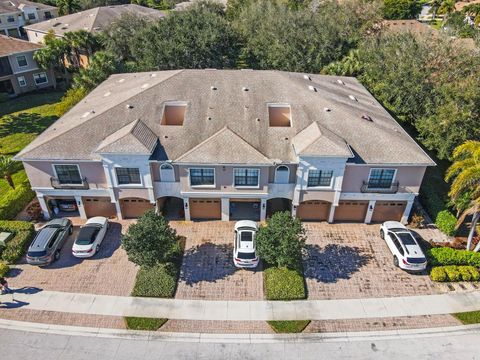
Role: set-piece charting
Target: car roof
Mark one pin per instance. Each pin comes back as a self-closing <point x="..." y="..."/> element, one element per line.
<point x="42" y="238"/>
<point x="245" y="224"/>
<point x="96" y="220"/>
<point x="394" y="225"/>
<point x="57" y="221"/>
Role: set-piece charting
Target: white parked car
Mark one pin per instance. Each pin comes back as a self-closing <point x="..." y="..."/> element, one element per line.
<point x="244" y="254"/>
<point x="407" y="254"/>
<point x="90" y="237"/>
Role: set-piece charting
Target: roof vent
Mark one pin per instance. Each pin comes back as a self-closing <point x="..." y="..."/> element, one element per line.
<point x="351" y="97"/>
<point x="144" y="86"/>
<point x="86" y="114"/>
<point x="121" y="80"/>
<point x="108" y="93"/>
<point x="209" y="118"/>
<point x="327" y="109"/>
<point x="213" y="88"/>
<point x="258" y="119"/>
<point x="153" y="75"/>
<point x="340" y="81"/>
<point x="245" y="89"/>
<point x="129" y="106"/>
<point x="306" y="77"/>
<point x="312" y="88"/>
<point x="367" y="117"/>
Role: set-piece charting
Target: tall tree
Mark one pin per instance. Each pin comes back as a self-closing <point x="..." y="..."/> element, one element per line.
<point x="434" y="6"/>
<point x="53" y="54"/>
<point x="401" y="9"/>
<point x="66" y="7"/>
<point x="465" y="172"/>
<point x="7" y="169"/>
<point x="102" y="65"/>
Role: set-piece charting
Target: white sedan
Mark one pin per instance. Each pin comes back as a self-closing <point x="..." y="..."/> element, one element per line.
<point x="407" y="254"/>
<point x="244" y="255"/>
<point x="90" y="237"/>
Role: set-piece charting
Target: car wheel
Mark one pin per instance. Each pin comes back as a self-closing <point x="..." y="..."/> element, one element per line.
<point x="57" y="255"/>
<point x="395" y="261"/>
<point x="382" y="234"/>
<point x="97" y="249"/>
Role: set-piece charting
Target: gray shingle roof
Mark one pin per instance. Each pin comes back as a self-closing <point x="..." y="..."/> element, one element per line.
<point x="10" y="45"/>
<point x="219" y="98"/>
<point x="10" y="6"/>
<point x="93" y="20"/>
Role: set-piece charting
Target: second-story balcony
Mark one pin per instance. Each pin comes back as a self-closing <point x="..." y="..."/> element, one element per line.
<point x="368" y="187"/>
<point x="57" y="184"/>
<point x="281" y="190"/>
<point x="165" y="188"/>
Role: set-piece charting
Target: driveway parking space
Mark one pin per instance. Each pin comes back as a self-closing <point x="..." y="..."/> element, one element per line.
<point x="108" y="273"/>
<point x="352" y="261"/>
<point x="207" y="268"/>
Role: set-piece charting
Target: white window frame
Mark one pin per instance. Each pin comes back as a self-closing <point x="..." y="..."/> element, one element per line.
<point x="320" y="187"/>
<point x="46" y="77"/>
<point x="56" y="175"/>
<point x="34" y="16"/>
<point x="275" y="176"/>
<point x="246" y="186"/>
<point x="22" y="66"/>
<point x="370" y="174"/>
<point x="203" y="186"/>
<point x="24" y="81"/>
<point x="172" y="170"/>
<point x="10" y="17"/>
<point x="131" y="185"/>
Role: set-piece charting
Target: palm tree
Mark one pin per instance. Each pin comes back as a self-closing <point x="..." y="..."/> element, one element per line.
<point x="7" y="169"/>
<point x="435" y="5"/>
<point x="447" y="7"/>
<point x="66" y="7"/>
<point x="465" y="172"/>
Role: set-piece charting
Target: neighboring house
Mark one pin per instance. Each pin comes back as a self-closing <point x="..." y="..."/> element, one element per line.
<point x="15" y="14"/>
<point x="19" y="72"/>
<point x="229" y="144"/>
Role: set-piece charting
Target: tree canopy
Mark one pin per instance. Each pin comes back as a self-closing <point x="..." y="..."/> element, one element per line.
<point x="401" y="9"/>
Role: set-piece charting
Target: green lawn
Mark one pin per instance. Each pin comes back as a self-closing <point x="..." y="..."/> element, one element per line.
<point x="285" y="327"/>
<point x="284" y="284"/>
<point x="21" y="120"/>
<point x="470" y="317"/>
<point x="141" y="323"/>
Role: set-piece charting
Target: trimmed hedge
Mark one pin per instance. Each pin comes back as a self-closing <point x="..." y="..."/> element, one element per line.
<point x="284" y="284"/>
<point x="142" y="323"/>
<point x="23" y="234"/>
<point x="15" y="201"/>
<point x="446" y="222"/>
<point x="4" y="268"/>
<point x="156" y="281"/>
<point x="441" y="256"/>
<point x="454" y="273"/>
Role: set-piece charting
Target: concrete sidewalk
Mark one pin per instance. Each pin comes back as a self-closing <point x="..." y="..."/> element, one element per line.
<point x="243" y="310"/>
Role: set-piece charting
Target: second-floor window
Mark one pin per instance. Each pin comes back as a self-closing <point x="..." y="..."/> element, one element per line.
<point x="31" y="16"/>
<point x="10" y="18"/>
<point x="40" y="78"/>
<point x="68" y="174"/>
<point x="22" y="61"/>
<point x="21" y="81"/>
<point x="381" y="178"/>
<point x="199" y="177"/>
<point x="128" y="176"/>
<point x="246" y="177"/>
<point x="48" y="15"/>
<point x="319" y="178"/>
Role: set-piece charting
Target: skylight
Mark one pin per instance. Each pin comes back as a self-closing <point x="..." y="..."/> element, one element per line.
<point x="279" y="115"/>
<point x="174" y="114"/>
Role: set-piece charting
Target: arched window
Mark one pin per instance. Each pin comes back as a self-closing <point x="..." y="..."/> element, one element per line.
<point x="282" y="174"/>
<point x="167" y="174"/>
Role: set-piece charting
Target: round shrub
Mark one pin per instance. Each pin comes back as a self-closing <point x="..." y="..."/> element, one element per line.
<point x="446" y="222"/>
<point x="4" y="268"/>
<point x="474" y="273"/>
<point x="438" y="274"/>
<point x="452" y="273"/>
<point x="465" y="273"/>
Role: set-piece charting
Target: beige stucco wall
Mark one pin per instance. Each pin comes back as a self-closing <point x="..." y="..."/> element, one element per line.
<point x="407" y="176"/>
<point x="40" y="172"/>
<point x="155" y="169"/>
<point x="123" y="193"/>
<point x="224" y="179"/>
<point x="293" y="173"/>
<point x="317" y="195"/>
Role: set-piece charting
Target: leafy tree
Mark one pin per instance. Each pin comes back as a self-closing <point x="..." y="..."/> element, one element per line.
<point x="401" y="9"/>
<point x="80" y="42"/>
<point x="465" y="172"/>
<point x="281" y="241"/>
<point x="157" y="4"/>
<point x="447" y="7"/>
<point x="150" y="241"/>
<point x="434" y="6"/>
<point x="67" y="6"/>
<point x="7" y="169"/>
<point x="53" y="54"/>
<point x="350" y="65"/>
<point x="102" y="65"/>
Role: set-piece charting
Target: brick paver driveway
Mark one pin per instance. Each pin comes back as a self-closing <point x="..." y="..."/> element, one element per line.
<point x="108" y="273"/>
<point x="207" y="268"/>
<point x="352" y="261"/>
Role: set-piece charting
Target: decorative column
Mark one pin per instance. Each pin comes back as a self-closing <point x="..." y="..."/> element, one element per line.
<point x="371" y="208"/>
<point x="43" y="206"/>
<point x="225" y="209"/>
<point x="186" y="208"/>
<point x="263" y="209"/>
<point x="81" y="209"/>
<point x="407" y="211"/>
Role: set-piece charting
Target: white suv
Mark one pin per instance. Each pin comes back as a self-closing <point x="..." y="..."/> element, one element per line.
<point x="407" y="254"/>
<point x="244" y="255"/>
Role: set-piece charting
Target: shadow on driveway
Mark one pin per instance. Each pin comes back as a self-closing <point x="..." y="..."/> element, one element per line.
<point x="333" y="262"/>
<point x="207" y="262"/>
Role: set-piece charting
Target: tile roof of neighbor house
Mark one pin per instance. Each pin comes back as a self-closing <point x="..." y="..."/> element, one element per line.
<point x="461" y="4"/>
<point x="93" y="20"/>
<point x="233" y="99"/>
<point x="10" y="45"/>
<point x="9" y="6"/>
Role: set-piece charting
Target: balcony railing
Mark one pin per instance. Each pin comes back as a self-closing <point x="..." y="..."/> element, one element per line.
<point x="163" y="188"/>
<point x="281" y="190"/>
<point x="56" y="184"/>
<point x="370" y="188"/>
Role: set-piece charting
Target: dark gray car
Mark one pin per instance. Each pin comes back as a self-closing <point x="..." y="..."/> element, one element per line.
<point x="45" y="248"/>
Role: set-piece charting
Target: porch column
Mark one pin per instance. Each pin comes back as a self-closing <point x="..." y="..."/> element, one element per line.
<point x="186" y="208"/>
<point x="331" y="214"/>
<point x="118" y="209"/>
<point x="371" y="208"/>
<point x="407" y="211"/>
<point x="81" y="209"/>
<point x="225" y="209"/>
<point x="263" y="209"/>
<point x="43" y="206"/>
<point x="294" y="210"/>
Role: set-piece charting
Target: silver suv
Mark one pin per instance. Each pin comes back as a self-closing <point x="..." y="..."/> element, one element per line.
<point x="48" y="242"/>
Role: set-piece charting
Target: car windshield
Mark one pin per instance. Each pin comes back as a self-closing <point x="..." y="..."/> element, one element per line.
<point x="36" y="253"/>
<point x="406" y="238"/>
<point x="420" y="260"/>
<point x="246" y="236"/>
<point x="246" y="256"/>
<point x="87" y="235"/>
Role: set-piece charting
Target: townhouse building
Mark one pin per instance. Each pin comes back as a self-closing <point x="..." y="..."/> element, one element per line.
<point x="228" y="145"/>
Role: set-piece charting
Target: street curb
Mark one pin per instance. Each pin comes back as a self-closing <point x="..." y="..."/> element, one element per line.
<point x="64" y="330"/>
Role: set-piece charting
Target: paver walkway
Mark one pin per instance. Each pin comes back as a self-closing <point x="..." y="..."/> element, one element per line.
<point x="243" y="310"/>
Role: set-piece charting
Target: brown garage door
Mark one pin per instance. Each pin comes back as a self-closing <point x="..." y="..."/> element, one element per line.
<point x="134" y="207"/>
<point x="351" y="211"/>
<point x="99" y="206"/>
<point x="388" y="210"/>
<point x="314" y="210"/>
<point x="205" y="209"/>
